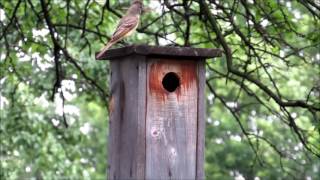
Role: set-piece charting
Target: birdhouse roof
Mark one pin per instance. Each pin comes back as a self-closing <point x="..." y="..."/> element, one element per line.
<point x="161" y="51"/>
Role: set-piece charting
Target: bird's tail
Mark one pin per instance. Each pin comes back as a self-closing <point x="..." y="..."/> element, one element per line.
<point x="104" y="50"/>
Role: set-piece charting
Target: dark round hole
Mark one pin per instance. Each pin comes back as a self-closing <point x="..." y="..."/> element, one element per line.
<point x="171" y="81"/>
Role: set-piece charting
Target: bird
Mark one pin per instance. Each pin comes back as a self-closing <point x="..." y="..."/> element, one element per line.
<point x="127" y="25"/>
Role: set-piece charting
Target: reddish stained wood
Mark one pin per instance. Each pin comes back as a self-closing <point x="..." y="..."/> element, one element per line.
<point x="185" y="69"/>
<point x="171" y="122"/>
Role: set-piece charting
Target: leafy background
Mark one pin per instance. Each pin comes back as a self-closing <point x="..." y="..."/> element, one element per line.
<point x="262" y="94"/>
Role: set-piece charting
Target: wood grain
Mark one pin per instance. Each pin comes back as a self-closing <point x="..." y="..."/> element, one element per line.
<point x="201" y="126"/>
<point x="171" y="123"/>
<point x="114" y="125"/>
<point x="127" y="122"/>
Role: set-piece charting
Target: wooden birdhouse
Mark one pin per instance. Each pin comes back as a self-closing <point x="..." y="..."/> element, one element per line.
<point x="157" y="112"/>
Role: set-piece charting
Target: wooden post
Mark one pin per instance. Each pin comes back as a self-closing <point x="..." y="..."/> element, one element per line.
<point x="157" y="112"/>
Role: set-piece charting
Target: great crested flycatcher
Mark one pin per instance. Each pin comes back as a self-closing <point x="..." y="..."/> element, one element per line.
<point x="127" y="25"/>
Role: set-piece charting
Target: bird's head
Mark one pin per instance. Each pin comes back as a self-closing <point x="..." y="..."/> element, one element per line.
<point x="138" y="4"/>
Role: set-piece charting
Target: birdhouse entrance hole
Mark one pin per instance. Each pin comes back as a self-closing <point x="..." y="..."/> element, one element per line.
<point x="171" y="81"/>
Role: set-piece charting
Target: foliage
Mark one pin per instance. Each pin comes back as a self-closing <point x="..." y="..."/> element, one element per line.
<point x="262" y="98"/>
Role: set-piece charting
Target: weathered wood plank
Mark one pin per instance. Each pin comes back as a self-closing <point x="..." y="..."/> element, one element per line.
<point x="140" y="153"/>
<point x="201" y="120"/>
<point x="127" y="130"/>
<point x="171" y="123"/>
<point x="114" y="125"/>
<point x="164" y="51"/>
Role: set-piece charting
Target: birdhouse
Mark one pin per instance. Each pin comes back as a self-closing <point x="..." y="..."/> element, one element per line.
<point x="157" y="112"/>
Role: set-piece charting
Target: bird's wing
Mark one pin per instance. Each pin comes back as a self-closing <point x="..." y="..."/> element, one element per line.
<point x="126" y="25"/>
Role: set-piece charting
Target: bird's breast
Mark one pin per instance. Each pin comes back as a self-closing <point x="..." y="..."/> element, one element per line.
<point x="131" y="31"/>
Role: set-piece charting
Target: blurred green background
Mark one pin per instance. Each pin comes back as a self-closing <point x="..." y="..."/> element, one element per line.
<point x="49" y="78"/>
